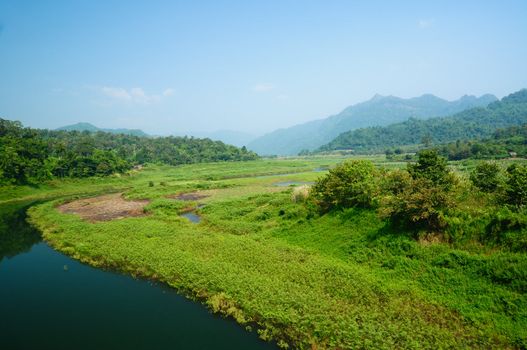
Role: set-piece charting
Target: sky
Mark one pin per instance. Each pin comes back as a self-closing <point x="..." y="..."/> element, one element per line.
<point x="173" y="67"/>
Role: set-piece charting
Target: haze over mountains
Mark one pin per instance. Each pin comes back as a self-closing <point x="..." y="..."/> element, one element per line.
<point x="469" y="124"/>
<point x="378" y="111"/>
<point x="230" y="137"/>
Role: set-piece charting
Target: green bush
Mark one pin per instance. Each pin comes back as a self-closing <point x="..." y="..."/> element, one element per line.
<point x="486" y="176"/>
<point x="517" y="185"/>
<point x="418" y="199"/>
<point x="432" y="167"/>
<point x="395" y="182"/>
<point x="350" y="184"/>
<point x="419" y="205"/>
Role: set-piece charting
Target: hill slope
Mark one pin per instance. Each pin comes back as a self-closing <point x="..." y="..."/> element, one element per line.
<point x="470" y="124"/>
<point x="504" y="143"/>
<point x="92" y="128"/>
<point x="380" y="110"/>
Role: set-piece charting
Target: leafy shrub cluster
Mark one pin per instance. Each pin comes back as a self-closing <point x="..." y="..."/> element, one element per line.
<point x="428" y="197"/>
<point x="351" y="184"/>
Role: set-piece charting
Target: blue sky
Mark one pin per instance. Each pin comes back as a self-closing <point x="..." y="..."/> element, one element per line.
<point x="174" y="66"/>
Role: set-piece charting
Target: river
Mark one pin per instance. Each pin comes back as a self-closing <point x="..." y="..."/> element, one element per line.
<point x="50" y="301"/>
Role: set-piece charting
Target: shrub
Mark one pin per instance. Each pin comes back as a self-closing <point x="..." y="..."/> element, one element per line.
<point x="419" y="205"/>
<point x="431" y="166"/>
<point x="516" y="189"/>
<point x="350" y="184"/>
<point x="486" y="176"/>
<point x="395" y="182"/>
<point x="419" y="198"/>
<point x="504" y="220"/>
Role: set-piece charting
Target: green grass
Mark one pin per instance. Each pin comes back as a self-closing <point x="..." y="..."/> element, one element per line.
<point x="343" y="280"/>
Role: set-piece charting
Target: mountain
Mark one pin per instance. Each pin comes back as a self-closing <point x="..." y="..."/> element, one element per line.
<point x="469" y="124"/>
<point x="92" y="128"/>
<point x="380" y="110"/>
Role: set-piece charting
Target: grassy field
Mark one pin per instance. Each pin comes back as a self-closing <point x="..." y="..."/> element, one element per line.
<point x="342" y="280"/>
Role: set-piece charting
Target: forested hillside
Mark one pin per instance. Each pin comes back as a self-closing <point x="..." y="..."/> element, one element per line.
<point x="32" y="155"/>
<point x="470" y="124"/>
<point x="504" y="143"/>
<point x="378" y="111"/>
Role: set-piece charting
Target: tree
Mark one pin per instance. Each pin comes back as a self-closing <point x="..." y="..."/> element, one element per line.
<point x="389" y="153"/>
<point x="516" y="189"/>
<point x="419" y="199"/>
<point x="486" y="176"/>
<point x="350" y="184"/>
<point x="419" y="205"/>
<point x="432" y="167"/>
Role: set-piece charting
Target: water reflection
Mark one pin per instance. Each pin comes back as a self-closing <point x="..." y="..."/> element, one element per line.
<point x="50" y="301"/>
<point x="16" y="236"/>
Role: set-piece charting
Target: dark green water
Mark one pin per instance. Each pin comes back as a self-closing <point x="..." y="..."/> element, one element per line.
<point x="49" y="301"/>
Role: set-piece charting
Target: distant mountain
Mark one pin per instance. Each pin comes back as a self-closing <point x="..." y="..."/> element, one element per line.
<point x="473" y="123"/>
<point x="230" y="137"/>
<point x="92" y="128"/>
<point x="380" y="110"/>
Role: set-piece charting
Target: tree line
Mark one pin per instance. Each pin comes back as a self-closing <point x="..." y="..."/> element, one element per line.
<point x="504" y="143"/>
<point x="33" y="155"/>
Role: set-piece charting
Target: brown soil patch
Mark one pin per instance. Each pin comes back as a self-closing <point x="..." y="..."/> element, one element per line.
<point x="105" y="208"/>
<point x="194" y="196"/>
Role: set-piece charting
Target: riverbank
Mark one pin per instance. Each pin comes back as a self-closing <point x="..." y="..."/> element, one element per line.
<point x="334" y="281"/>
<point x="40" y="293"/>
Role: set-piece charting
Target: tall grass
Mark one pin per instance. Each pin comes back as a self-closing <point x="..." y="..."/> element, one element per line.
<point x="343" y="280"/>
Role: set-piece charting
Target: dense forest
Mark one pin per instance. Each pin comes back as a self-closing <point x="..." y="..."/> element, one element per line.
<point x="31" y="155"/>
<point x="504" y="143"/>
<point x="470" y="124"/>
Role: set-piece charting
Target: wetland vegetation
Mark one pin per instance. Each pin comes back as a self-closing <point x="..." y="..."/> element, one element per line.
<point x="308" y="275"/>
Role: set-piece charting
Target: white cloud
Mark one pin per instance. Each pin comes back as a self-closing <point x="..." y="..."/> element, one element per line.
<point x="135" y="95"/>
<point x="117" y="93"/>
<point x="425" y="23"/>
<point x="263" y="87"/>
<point x="168" y="92"/>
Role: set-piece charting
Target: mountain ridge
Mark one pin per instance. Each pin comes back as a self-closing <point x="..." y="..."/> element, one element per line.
<point x="84" y="126"/>
<point x="379" y="110"/>
<point x="468" y="124"/>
